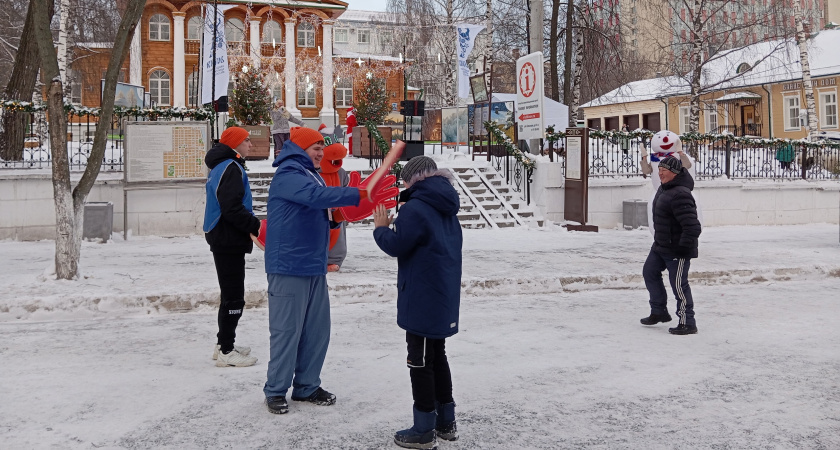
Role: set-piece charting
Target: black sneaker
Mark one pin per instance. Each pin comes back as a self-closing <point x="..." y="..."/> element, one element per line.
<point x="319" y="397"/>
<point x="653" y="319"/>
<point x="683" y="329"/>
<point x="277" y="405"/>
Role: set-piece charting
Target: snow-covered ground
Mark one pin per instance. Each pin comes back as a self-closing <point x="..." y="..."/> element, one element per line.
<point x="550" y="353"/>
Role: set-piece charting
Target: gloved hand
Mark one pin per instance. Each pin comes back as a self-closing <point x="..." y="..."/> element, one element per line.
<point x="383" y="193"/>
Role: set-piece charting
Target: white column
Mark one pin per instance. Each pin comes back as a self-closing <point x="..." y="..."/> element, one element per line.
<point x="327" y="110"/>
<point x="179" y="88"/>
<point x="256" y="50"/>
<point x="135" y="62"/>
<point x="291" y="79"/>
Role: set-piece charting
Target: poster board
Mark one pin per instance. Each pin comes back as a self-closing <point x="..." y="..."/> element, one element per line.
<point x="126" y="95"/>
<point x="530" y="95"/>
<point x="502" y="114"/>
<point x="166" y="151"/>
<point x="431" y="125"/>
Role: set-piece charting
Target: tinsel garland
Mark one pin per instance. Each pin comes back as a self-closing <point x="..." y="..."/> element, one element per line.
<point x="119" y="111"/>
<point x="502" y="138"/>
<point x="692" y="137"/>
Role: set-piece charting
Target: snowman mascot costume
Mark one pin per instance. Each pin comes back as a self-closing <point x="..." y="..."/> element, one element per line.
<point x="666" y="143"/>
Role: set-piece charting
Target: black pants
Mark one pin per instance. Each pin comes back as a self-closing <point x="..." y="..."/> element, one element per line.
<point x="230" y="269"/>
<point x="431" y="380"/>
<point x="678" y="276"/>
<point x="279" y="140"/>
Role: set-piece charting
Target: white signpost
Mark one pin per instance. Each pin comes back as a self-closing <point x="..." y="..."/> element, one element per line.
<point x="530" y="94"/>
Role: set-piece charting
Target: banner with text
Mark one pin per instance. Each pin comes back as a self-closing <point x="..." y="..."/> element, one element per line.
<point x="221" y="63"/>
<point x="530" y="96"/>
<point x="465" y="42"/>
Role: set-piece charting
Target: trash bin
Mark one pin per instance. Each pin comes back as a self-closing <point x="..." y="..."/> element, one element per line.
<point x="635" y="214"/>
<point x="99" y="220"/>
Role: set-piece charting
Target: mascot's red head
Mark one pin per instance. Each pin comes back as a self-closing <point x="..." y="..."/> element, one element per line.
<point x="333" y="157"/>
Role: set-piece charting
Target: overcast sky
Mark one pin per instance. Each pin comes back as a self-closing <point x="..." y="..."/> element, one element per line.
<point x="367" y="5"/>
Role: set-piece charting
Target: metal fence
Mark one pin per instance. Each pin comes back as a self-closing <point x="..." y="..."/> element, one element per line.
<point x="81" y="128"/>
<point x="736" y="159"/>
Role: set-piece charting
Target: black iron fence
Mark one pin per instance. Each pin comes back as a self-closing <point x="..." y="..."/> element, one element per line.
<point x="619" y="154"/>
<point x="81" y="127"/>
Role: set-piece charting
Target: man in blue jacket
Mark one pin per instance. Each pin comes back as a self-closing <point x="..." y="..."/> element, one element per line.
<point x="299" y="219"/>
<point x="427" y="243"/>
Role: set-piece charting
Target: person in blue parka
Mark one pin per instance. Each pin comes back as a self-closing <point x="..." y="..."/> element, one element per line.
<point x="427" y="243"/>
<point x="299" y="218"/>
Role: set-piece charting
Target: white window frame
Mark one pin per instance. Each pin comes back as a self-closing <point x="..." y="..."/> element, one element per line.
<point x="194" y="28"/>
<point x="272" y="38"/>
<point x="234" y="29"/>
<point x="305" y="35"/>
<point x="828" y="120"/>
<point x="341" y="35"/>
<point x="160" y="87"/>
<point x="277" y="91"/>
<point x="344" y="94"/>
<point x="159" y="28"/>
<point x="792" y="117"/>
<point x="685" y="118"/>
<point x="710" y="113"/>
<point x="363" y="40"/>
<point x="308" y="95"/>
<point x="75" y="77"/>
<point x="193" y="90"/>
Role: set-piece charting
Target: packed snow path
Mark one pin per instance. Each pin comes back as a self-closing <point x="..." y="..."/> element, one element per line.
<point x="549" y="371"/>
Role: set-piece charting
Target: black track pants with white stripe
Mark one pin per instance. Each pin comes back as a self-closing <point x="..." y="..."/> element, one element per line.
<point x="678" y="276"/>
<point x="431" y="380"/>
<point x="230" y="269"/>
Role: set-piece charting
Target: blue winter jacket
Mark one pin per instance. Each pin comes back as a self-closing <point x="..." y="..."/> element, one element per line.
<point x="298" y="234"/>
<point x="427" y="242"/>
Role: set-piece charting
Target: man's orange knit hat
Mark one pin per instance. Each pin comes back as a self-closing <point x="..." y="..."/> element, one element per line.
<point x="233" y="136"/>
<point x="305" y="137"/>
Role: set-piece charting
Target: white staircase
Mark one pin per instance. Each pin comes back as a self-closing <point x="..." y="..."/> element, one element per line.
<point x="486" y="200"/>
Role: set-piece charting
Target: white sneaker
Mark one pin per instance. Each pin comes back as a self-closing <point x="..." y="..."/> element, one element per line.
<point x="243" y="350"/>
<point x="235" y="359"/>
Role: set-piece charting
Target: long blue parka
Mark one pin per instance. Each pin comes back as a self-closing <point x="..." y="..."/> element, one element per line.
<point x="298" y="234"/>
<point x="427" y="242"/>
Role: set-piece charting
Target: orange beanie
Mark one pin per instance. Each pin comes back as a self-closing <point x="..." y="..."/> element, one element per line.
<point x="305" y="137"/>
<point x="233" y="136"/>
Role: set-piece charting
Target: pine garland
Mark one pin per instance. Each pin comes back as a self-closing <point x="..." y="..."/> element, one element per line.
<point x="119" y="111"/>
<point x="502" y="138"/>
<point x="693" y="137"/>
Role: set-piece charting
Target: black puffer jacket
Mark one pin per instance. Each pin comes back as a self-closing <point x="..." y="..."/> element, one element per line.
<point x="675" y="223"/>
<point x="233" y="232"/>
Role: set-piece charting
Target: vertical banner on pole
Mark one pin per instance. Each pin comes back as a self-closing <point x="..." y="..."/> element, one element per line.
<point x="220" y="65"/>
<point x="465" y="41"/>
<point x="576" y="197"/>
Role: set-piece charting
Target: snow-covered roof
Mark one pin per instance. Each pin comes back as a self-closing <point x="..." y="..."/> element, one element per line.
<point x="738" y="96"/>
<point x="355" y="15"/>
<point x="342" y="53"/>
<point x="770" y="62"/>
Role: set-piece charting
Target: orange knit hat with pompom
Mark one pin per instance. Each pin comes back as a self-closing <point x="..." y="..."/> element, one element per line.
<point x="305" y="137"/>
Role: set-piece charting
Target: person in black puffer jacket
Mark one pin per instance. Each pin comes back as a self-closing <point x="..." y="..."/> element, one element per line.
<point x="676" y="230"/>
<point x="229" y="222"/>
<point x="427" y="243"/>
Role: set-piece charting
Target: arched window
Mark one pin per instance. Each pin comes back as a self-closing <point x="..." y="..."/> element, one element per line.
<point x="743" y="67"/>
<point x="159" y="28"/>
<point x="306" y="35"/>
<point x="272" y="33"/>
<point x="193" y="90"/>
<point x="234" y="30"/>
<point x="194" y="28"/>
<point x="159" y="87"/>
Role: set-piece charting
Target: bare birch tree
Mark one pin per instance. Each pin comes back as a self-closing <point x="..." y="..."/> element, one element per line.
<point x="807" y="84"/>
<point x="69" y="205"/>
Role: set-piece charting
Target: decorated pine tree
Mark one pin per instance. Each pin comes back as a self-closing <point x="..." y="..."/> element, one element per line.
<point x="251" y="100"/>
<point x="372" y="103"/>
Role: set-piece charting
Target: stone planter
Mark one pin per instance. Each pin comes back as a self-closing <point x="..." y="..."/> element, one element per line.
<point x="362" y="142"/>
<point x="261" y="146"/>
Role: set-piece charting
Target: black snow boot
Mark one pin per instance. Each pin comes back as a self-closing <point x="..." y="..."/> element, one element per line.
<point x="683" y="329"/>
<point x="653" y="319"/>
<point x="421" y="435"/>
<point x="445" y="425"/>
<point x="277" y="405"/>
